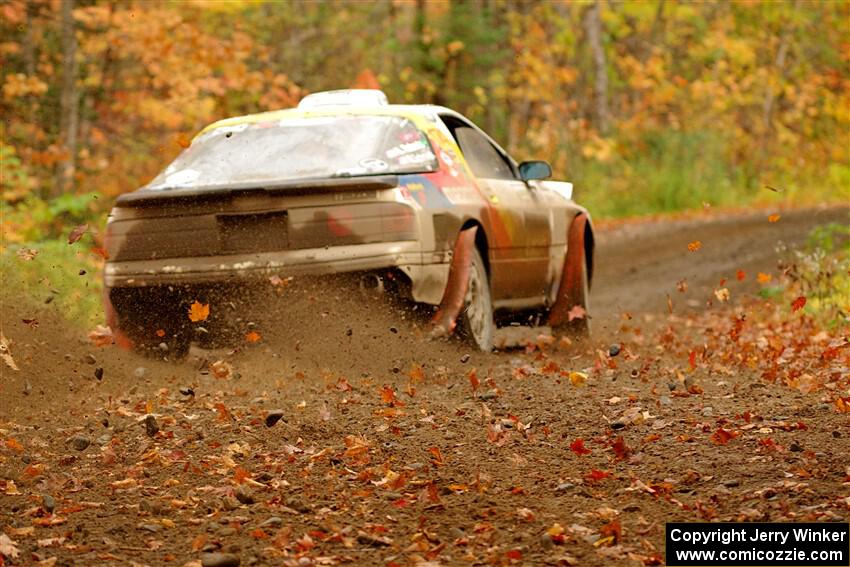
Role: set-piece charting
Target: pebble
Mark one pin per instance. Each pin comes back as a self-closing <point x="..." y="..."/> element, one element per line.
<point x="187" y="391"/>
<point x="229" y="503"/>
<point x="153" y="528"/>
<point x="707" y="411"/>
<point x="27" y="388"/>
<point x="613" y="350"/>
<point x="151" y="426"/>
<point x="140" y="372"/>
<point x="796" y="447"/>
<point x="219" y="560"/>
<point x="48" y="503"/>
<point x="227" y="531"/>
<point x="98" y="373"/>
<point x="618" y="425"/>
<point x="89" y="359"/>
<point x="244" y="495"/>
<point x="732" y="483"/>
<point x="465" y="358"/>
<point x="80" y="442"/>
<point x="564" y="486"/>
<point x="273" y="417"/>
<point x="103" y="439"/>
<point x="665" y="400"/>
<point x="297" y="505"/>
<point x="487" y="396"/>
<point x="272" y="522"/>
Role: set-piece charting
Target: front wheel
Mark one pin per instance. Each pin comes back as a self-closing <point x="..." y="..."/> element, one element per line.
<point x="476" y="321"/>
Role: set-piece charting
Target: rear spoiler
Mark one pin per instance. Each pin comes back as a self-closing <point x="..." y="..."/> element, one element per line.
<point x="144" y="197"/>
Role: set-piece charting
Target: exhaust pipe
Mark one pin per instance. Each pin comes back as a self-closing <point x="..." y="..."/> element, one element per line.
<point x="372" y="283"/>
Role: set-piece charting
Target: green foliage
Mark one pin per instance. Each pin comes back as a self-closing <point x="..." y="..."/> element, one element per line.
<point x="821" y="274"/>
<point x="53" y="277"/>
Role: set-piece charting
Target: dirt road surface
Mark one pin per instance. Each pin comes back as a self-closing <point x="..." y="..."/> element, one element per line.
<point x="395" y="450"/>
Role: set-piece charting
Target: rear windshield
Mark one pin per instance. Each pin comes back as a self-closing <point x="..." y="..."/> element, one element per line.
<point x="302" y="148"/>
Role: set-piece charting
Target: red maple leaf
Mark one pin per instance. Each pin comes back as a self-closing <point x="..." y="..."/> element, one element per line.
<point x="798" y="303"/>
<point x="621" y="450"/>
<point x="578" y="447"/>
<point x="723" y="436"/>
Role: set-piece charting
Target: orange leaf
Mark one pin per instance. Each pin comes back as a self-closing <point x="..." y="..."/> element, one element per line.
<point x="199" y="542"/>
<point x="160" y="333"/>
<point x="437" y="456"/>
<point x="612" y="529"/>
<point x="798" y="303"/>
<point x="473" y="379"/>
<point x="223" y="414"/>
<point x="253" y="337"/>
<point x="773" y="218"/>
<point x="259" y="534"/>
<point x="199" y="311"/>
<point x="694" y="246"/>
<point x="14" y="445"/>
<point x="764" y="278"/>
<point x="416" y="374"/>
<point x="621" y="450"/>
<point x="101" y="252"/>
<point x="578" y="447"/>
<point x="182" y="140"/>
<point x="240" y="474"/>
<point x="723" y="436"/>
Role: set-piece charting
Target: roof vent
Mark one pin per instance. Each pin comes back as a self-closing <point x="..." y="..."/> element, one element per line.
<point x="346" y="97"/>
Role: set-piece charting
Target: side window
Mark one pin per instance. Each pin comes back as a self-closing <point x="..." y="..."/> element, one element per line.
<point x="484" y="160"/>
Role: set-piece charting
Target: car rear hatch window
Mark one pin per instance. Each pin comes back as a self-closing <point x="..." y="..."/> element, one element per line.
<point x="317" y="147"/>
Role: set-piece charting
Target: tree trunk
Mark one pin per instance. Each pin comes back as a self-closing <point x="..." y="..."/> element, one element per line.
<point x="593" y="26"/>
<point x="69" y="101"/>
<point x="770" y="95"/>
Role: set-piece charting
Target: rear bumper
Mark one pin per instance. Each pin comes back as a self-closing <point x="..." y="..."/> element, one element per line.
<point x="311" y="261"/>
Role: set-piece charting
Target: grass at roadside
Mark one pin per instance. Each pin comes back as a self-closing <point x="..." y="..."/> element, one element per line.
<point x="65" y="277"/>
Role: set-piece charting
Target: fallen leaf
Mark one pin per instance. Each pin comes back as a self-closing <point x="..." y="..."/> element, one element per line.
<point x="722" y="294"/>
<point x="578" y="378"/>
<point x="473" y="379"/>
<point x="741" y="275"/>
<point x="101" y="336"/>
<point x="183" y="140"/>
<point x="199" y="311"/>
<point x="5" y="353"/>
<point x="723" y="436"/>
<point x="27" y="254"/>
<point x="8" y="547"/>
<point x="253" y="336"/>
<point x="578" y="447"/>
<point x="621" y="450"/>
<point x="694" y="246"/>
<point x="798" y="303"/>
<point x="773" y="218"/>
<point x="764" y="278"/>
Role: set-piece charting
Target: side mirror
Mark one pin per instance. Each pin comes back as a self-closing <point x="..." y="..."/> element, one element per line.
<point x="531" y="170"/>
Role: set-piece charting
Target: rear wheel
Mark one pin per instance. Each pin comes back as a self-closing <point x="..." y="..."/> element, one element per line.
<point x="476" y="321"/>
<point x="151" y="318"/>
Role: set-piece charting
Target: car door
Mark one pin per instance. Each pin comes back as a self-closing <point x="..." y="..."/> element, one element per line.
<point x="519" y="264"/>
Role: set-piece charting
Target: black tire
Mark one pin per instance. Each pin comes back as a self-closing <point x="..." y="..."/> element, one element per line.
<point x="151" y="319"/>
<point x="476" y="320"/>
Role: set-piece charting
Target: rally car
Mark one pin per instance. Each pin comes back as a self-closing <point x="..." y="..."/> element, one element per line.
<point x="346" y="182"/>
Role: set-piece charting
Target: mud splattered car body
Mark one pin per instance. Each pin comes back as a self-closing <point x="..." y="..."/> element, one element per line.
<point x="330" y="188"/>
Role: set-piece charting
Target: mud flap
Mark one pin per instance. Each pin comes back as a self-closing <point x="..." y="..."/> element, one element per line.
<point x="569" y="292"/>
<point x="118" y="336"/>
<point x="445" y="319"/>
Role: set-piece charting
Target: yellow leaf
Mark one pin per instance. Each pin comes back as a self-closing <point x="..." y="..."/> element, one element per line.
<point x="199" y="311"/>
<point x="578" y="378"/>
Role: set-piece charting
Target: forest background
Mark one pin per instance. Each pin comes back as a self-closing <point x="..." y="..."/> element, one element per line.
<point x="646" y="107"/>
